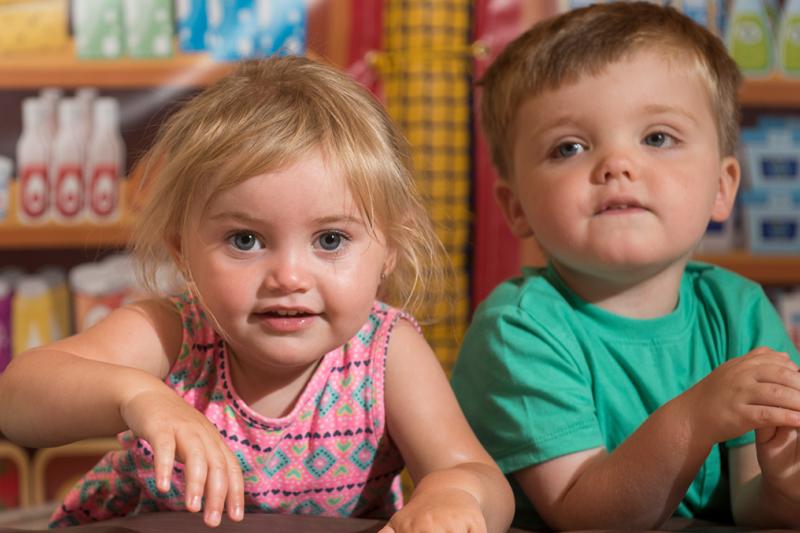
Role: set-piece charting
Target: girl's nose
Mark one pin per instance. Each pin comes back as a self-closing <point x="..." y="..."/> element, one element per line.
<point x="287" y="273"/>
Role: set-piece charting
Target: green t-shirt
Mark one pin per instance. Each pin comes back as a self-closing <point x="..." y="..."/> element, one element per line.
<point x="542" y="373"/>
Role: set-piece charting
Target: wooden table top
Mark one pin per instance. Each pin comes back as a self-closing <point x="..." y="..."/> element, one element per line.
<point x="173" y="522"/>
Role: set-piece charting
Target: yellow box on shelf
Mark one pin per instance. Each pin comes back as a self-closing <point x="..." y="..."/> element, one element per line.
<point x="33" y="26"/>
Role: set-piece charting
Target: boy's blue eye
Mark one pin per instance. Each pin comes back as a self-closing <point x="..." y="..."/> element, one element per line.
<point x="568" y="149"/>
<point x="330" y="241"/>
<point x="244" y="241"/>
<point x="657" y="139"/>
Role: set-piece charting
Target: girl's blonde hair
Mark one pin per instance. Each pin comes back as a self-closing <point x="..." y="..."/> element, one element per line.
<point x="265" y="116"/>
<point x="584" y="41"/>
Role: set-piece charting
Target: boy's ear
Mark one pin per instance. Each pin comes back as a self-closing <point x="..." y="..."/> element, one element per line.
<point x="509" y="204"/>
<point x="729" y="177"/>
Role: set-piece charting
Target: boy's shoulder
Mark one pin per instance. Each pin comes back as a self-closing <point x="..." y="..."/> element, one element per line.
<point x="532" y="289"/>
<point x="537" y="289"/>
<point x="706" y="276"/>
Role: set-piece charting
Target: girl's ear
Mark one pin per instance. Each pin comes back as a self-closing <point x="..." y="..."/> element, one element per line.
<point x="389" y="264"/>
<point x="174" y="247"/>
<point x="729" y="177"/>
<point x="509" y="204"/>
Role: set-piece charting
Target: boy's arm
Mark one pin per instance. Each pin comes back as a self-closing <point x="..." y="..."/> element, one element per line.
<point x="74" y="388"/>
<point x="638" y="486"/>
<point x="458" y="486"/>
<point x="641" y="482"/>
<point x="754" y="500"/>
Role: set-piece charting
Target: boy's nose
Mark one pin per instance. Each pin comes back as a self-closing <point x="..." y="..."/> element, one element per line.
<point x="616" y="164"/>
<point x="287" y="273"/>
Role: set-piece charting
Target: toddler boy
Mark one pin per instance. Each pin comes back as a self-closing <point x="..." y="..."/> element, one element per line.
<point x="621" y="383"/>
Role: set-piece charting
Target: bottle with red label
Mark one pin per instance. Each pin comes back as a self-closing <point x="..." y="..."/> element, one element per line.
<point x="105" y="162"/>
<point x="66" y="169"/>
<point x="33" y="159"/>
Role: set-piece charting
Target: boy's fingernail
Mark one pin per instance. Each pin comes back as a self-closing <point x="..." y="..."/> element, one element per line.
<point x="214" y="518"/>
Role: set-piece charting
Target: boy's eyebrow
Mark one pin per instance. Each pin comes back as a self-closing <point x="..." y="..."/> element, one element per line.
<point x="661" y="108"/>
<point x="571" y="118"/>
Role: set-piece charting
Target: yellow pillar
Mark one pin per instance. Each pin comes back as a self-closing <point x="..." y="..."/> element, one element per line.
<point x="426" y="68"/>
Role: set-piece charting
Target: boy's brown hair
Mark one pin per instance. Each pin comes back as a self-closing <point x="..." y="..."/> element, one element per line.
<point x="583" y="41"/>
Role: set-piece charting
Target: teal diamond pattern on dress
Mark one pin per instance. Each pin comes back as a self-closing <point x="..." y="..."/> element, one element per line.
<point x="319" y="462"/>
<point x="309" y="507"/>
<point x="362" y="456"/>
<point x="366" y="336"/>
<point x="346" y="510"/>
<point x="243" y="462"/>
<point x="327" y="399"/>
<point x="169" y="495"/>
<point x="92" y="488"/>
<point x="365" y="393"/>
<point x="276" y="463"/>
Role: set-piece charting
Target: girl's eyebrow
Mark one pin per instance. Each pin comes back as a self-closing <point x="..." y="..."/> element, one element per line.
<point x="247" y="219"/>
<point x="235" y="215"/>
<point x="339" y="219"/>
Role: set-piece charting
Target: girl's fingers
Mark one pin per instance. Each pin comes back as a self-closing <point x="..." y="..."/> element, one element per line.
<point x="235" y="489"/>
<point x="164" y="460"/>
<point x="216" y="489"/>
<point x="195" y="474"/>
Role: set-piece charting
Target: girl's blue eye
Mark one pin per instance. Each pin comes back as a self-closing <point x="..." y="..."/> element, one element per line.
<point x="658" y="139"/>
<point x="568" y="149"/>
<point x="244" y="241"/>
<point x="330" y="241"/>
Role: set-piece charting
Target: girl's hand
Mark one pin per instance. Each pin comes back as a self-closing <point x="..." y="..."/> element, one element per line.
<point x="175" y="430"/>
<point x="778" y="452"/>
<point x="445" y="510"/>
<point x="758" y="390"/>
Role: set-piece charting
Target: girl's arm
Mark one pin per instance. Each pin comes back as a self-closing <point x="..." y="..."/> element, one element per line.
<point x="74" y="388"/>
<point x="458" y="486"/>
<point x="109" y="379"/>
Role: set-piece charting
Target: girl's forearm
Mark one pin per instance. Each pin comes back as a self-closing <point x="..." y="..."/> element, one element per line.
<point x="48" y="398"/>
<point x="485" y="483"/>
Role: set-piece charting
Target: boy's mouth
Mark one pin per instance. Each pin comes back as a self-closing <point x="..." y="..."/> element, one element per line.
<point x="620" y="206"/>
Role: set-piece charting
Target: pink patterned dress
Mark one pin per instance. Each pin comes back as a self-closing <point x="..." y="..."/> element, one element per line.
<point x="330" y="456"/>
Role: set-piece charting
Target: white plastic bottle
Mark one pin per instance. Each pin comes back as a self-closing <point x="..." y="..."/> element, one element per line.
<point x="789" y="40"/>
<point x="66" y="169"/>
<point x="50" y="96"/>
<point x="105" y="162"/>
<point x="33" y="160"/>
<point x="5" y="187"/>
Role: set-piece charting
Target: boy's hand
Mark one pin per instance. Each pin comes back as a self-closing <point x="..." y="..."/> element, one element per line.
<point x="176" y="430"/>
<point x="754" y="391"/>
<point x="452" y="510"/>
<point x="778" y="452"/>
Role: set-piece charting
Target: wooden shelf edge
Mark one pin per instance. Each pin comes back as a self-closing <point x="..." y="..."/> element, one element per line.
<point x="764" y="269"/>
<point x="64" y="69"/>
<point x="50" y="235"/>
<point x="774" y="91"/>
